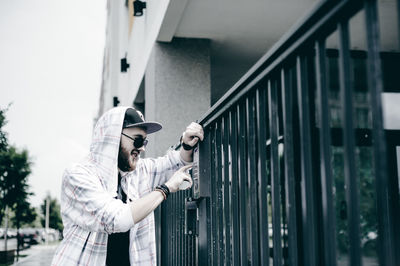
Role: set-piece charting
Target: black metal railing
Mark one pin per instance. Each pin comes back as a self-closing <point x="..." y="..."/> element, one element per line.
<point x="296" y="167"/>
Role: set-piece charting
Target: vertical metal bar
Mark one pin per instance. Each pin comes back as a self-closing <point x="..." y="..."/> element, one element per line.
<point x="226" y="139"/>
<point x="190" y="250"/>
<point x="261" y="104"/>
<point x="287" y="103"/>
<point x="325" y="155"/>
<point x="307" y="191"/>
<point x="178" y="227"/>
<point x="176" y="221"/>
<point x="252" y="166"/>
<point x="184" y="250"/>
<point x="235" y="188"/>
<point x="220" y="201"/>
<point x="387" y="251"/>
<point x="398" y="20"/>
<point x="204" y="238"/>
<point x="275" y="178"/>
<point x="214" y="217"/>
<point x="181" y="209"/>
<point x="164" y="238"/>
<point x="242" y="184"/>
<point x="170" y="249"/>
<point x="170" y="239"/>
<point x="350" y="172"/>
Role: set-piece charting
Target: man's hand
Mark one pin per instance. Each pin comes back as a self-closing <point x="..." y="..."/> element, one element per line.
<point x="141" y="207"/>
<point x="192" y="135"/>
<point x="178" y="177"/>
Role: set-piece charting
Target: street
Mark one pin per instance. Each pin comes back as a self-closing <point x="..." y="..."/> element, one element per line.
<point x="37" y="255"/>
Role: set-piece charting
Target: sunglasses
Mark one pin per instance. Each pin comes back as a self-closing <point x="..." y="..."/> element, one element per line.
<point x="138" y="142"/>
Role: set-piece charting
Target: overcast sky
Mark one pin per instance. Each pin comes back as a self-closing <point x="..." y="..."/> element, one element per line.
<point x="51" y="54"/>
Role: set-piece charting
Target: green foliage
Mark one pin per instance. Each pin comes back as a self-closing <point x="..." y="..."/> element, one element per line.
<point x="366" y="188"/>
<point x="55" y="220"/>
<point x="24" y="214"/>
<point x="15" y="167"/>
<point x="14" y="170"/>
<point x="3" y="134"/>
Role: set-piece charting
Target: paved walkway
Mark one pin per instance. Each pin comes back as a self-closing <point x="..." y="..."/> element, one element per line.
<point x="38" y="255"/>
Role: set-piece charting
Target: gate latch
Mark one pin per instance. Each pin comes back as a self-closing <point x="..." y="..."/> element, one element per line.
<point x="191" y="217"/>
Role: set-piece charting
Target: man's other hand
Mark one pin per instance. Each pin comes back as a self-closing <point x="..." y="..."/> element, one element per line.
<point x="178" y="177"/>
<point x="192" y="134"/>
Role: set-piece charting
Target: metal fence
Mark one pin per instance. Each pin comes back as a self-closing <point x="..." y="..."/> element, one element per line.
<point x="296" y="167"/>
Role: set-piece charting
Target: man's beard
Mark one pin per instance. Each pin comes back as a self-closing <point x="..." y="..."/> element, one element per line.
<point x="126" y="162"/>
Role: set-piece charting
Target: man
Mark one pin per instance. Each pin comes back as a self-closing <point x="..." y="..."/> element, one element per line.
<point x="107" y="200"/>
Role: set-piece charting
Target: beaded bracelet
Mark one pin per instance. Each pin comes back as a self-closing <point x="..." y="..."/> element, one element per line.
<point x="164" y="189"/>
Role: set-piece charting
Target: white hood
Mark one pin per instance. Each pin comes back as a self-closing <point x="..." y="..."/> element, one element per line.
<point x="105" y="146"/>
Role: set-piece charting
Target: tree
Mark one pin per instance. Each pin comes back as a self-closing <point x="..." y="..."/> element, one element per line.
<point x="14" y="170"/>
<point x="24" y="214"/>
<point x="3" y="149"/>
<point x="3" y="134"/>
<point x="15" y="167"/>
<point x="55" y="220"/>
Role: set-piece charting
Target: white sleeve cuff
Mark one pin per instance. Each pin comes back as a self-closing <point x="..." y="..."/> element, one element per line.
<point x="124" y="220"/>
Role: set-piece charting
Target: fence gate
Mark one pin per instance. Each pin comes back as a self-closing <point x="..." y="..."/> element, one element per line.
<point x="296" y="167"/>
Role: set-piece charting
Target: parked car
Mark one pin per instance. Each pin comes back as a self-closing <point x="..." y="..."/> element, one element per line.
<point x="11" y="233"/>
<point x="30" y="236"/>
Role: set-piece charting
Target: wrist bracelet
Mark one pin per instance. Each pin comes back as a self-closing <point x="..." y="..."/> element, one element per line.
<point x="164" y="189"/>
<point x="187" y="147"/>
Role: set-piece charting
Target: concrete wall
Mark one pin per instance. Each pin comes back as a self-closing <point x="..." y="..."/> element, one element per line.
<point x="177" y="89"/>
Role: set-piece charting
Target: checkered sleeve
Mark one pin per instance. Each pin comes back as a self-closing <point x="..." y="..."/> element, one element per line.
<point x="162" y="168"/>
<point x="87" y="204"/>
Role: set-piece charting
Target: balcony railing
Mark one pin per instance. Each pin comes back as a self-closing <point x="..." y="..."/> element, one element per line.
<point x="296" y="167"/>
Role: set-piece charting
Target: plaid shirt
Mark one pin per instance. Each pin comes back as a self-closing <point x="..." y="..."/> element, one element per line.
<point x="88" y="206"/>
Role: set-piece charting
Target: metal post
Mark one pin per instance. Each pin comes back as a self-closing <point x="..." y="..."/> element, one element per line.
<point x="262" y="114"/>
<point x="325" y="154"/>
<point x="252" y="179"/>
<point x="227" y="190"/>
<point x="290" y="183"/>
<point x="350" y="172"/>
<point x="235" y="188"/>
<point x="387" y="250"/>
<point x="214" y="217"/>
<point x="275" y="175"/>
<point x="242" y="184"/>
<point x="220" y="202"/>
<point x="307" y="191"/>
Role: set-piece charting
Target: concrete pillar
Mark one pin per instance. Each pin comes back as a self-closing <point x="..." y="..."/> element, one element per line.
<point x="177" y="89"/>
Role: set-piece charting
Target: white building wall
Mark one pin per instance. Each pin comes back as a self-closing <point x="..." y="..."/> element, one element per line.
<point x="135" y="44"/>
